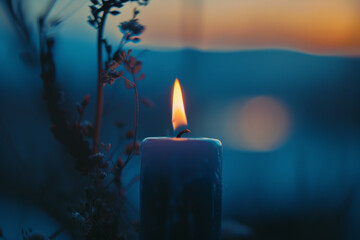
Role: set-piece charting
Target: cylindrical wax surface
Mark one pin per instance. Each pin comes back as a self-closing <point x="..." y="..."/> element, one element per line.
<point x="180" y="189"/>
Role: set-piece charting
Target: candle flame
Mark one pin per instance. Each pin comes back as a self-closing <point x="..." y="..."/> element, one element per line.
<point x="178" y="110"/>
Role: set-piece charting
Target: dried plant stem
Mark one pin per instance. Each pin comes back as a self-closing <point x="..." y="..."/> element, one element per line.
<point x="136" y="120"/>
<point x="100" y="90"/>
<point x="122" y="42"/>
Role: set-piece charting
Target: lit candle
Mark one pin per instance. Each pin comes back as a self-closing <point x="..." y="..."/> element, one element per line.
<point x="180" y="184"/>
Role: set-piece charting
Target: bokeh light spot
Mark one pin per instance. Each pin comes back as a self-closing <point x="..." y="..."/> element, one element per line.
<point x="261" y="123"/>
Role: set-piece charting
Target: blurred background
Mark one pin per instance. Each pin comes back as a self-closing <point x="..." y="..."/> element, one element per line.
<point x="278" y="82"/>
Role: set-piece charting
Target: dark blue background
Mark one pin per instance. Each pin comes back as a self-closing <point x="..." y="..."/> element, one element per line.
<point x="308" y="188"/>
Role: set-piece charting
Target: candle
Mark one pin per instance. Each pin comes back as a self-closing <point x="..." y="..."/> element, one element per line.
<point x="180" y="184"/>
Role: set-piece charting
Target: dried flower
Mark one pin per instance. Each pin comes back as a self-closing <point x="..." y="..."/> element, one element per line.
<point x="106" y="146"/>
<point x="97" y="157"/>
<point x="133" y="27"/>
<point x="113" y="64"/>
<point x="109" y="76"/>
<point x="141" y="77"/>
<point x="85" y="101"/>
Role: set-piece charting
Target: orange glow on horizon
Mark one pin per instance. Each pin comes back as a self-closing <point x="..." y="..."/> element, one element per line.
<point x="325" y="27"/>
<point x="178" y="110"/>
<point x="316" y="26"/>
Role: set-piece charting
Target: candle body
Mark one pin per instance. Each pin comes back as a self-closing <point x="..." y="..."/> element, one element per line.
<point x="180" y="189"/>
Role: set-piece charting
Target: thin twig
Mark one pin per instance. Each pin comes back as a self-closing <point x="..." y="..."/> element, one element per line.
<point x="136" y="119"/>
<point x="100" y="90"/>
<point x="134" y="180"/>
<point x="110" y="100"/>
<point x="55" y="234"/>
<point x="116" y="149"/>
<point x="122" y="42"/>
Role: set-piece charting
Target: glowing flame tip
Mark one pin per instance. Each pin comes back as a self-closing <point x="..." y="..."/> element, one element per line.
<point x="178" y="110"/>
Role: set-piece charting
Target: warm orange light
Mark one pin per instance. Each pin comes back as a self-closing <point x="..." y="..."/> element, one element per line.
<point x="178" y="110"/>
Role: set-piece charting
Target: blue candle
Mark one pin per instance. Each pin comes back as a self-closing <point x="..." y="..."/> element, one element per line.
<point x="180" y="185"/>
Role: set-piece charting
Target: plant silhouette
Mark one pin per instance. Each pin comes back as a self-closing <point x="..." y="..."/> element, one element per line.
<point x="100" y="214"/>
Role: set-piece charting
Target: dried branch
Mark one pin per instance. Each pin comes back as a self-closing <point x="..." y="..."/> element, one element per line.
<point x="100" y="90"/>
<point x="99" y="215"/>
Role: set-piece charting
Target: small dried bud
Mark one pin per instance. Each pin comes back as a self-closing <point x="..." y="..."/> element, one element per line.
<point x="85" y="101"/>
<point x="128" y="148"/>
<point x="113" y="64"/>
<point x="132" y="61"/>
<point x="142" y="76"/>
<point x="123" y="54"/>
<point x="79" y="108"/>
<point x="119" y="162"/>
<point x="137" y="67"/>
<point x="129" y="134"/>
<point x="137" y="148"/>
<point x="85" y="130"/>
<point x="106" y="146"/>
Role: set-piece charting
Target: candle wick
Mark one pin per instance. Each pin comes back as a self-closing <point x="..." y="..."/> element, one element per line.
<point x="182" y="132"/>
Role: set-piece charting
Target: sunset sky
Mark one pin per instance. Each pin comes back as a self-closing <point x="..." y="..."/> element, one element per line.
<point x="318" y="26"/>
<point x="329" y="27"/>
